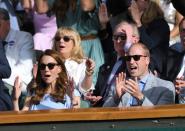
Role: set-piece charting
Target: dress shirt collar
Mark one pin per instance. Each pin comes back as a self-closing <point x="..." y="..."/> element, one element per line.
<point x="10" y="38"/>
<point x="144" y="79"/>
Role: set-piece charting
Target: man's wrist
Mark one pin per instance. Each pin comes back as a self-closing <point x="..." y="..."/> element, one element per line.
<point x="141" y="100"/>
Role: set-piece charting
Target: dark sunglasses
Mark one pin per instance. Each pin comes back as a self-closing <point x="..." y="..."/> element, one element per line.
<point x="65" y="38"/>
<point x="120" y="37"/>
<point x="135" y="57"/>
<point x="49" y="65"/>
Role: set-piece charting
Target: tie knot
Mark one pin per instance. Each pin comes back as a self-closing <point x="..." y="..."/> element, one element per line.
<point x="10" y="43"/>
<point x="120" y="58"/>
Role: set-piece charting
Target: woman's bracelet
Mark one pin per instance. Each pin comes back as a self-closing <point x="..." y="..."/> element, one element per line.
<point x="89" y="72"/>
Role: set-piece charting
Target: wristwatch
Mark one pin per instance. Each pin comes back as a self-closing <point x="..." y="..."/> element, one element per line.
<point x="140" y="102"/>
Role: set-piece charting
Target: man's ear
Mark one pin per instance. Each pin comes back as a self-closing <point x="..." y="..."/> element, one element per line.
<point x="148" y="60"/>
<point x="135" y="39"/>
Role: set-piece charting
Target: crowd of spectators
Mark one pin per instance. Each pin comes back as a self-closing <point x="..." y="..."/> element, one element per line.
<point x="61" y="54"/>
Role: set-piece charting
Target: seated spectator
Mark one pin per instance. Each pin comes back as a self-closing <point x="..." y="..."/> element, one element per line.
<point x="176" y="64"/>
<point x="125" y="34"/>
<point x="5" y="71"/>
<point x="68" y="43"/>
<point x="154" y="32"/>
<point x="142" y="88"/>
<point x="18" y="47"/>
<point x="51" y="87"/>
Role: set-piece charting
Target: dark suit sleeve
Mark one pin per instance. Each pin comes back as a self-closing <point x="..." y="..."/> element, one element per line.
<point x="5" y="70"/>
<point x="155" y="34"/>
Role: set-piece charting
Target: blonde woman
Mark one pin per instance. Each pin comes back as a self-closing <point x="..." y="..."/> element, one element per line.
<point x="68" y="43"/>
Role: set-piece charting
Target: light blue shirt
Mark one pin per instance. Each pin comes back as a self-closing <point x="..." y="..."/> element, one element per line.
<point x="142" y="83"/>
<point x="48" y="103"/>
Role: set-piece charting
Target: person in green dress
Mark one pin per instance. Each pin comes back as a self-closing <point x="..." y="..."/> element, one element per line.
<point x="87" y="17"/>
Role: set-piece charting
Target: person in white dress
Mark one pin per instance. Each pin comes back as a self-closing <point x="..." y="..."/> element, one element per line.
<point x="67" y="41"/>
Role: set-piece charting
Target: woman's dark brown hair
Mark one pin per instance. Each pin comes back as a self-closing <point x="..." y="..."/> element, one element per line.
<point x="39" y="87"/>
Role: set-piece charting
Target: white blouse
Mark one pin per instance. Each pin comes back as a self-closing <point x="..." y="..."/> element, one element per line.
<point x="77" y="72"/>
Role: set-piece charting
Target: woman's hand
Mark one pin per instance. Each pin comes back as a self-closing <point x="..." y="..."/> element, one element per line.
<point x="16" y="89"/>
<point x="76" y="102"/>
<point x="90" y="65"/>
<point x="103" y="15"/>
<point x="27" y="5"/>
<point x="34" y="71"/>
<point x="136" y="14"/>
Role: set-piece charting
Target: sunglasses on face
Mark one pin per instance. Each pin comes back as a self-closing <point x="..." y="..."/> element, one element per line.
<point x="135" y="57"/>
<point x="65" y="38"/>
<point x="120" y="37"/>
<point x="49" y="65"/>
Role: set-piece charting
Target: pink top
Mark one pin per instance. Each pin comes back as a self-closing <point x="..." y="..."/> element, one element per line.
<point x="45" y="29"/>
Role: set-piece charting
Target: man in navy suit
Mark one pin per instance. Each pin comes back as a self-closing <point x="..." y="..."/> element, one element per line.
<point x="124" y="35"/>
<point x="5" y="71"/>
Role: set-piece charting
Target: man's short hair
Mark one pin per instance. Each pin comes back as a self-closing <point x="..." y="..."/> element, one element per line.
<point x="144" y="47"/>
<point x="4" y="14"/>
<point x="132" y="24"/>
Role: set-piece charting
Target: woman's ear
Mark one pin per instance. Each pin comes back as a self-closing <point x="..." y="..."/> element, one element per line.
<point x="59" y="69"/>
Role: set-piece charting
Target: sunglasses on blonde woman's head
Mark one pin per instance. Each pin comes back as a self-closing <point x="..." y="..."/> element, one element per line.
<point x="135" y="57"/>
<point x="65" y="38"/>
<point x="49" y="65"/>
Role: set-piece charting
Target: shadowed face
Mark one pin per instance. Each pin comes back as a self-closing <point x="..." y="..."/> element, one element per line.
<point x="4" y="28"/>
<point x="142" y="4"/>
<point x="87" y="5"/>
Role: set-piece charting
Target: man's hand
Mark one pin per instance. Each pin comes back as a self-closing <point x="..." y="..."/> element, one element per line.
<point x="120" y="84"/>
<point x="132" y="88"/>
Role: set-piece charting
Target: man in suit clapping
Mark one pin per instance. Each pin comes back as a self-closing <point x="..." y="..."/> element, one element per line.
<point x="141" y="88"/>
